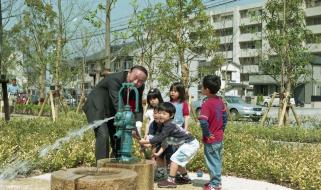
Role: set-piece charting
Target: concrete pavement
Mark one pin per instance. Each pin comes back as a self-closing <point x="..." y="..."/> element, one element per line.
<point x="42" y="182"/>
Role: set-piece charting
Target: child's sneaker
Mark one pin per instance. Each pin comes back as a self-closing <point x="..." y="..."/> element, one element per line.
<point x="207" y="186"/>
<point x="167" y="183"/>
<point x="183" y="180"/>
<point x="160" y="174"/>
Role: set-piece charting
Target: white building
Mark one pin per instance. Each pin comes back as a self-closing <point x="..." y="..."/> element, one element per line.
<point x="241" y="42"/>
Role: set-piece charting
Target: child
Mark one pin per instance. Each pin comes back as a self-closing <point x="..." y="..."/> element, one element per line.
<point x="213" y="119"/>
<point x="177" y="98"/>
<point x="175" y="135"/>
<point x="154" y="97"/>
<point x="161" y="156"/>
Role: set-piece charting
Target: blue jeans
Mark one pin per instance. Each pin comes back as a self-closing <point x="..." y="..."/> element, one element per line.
<point x="213" y="158"/>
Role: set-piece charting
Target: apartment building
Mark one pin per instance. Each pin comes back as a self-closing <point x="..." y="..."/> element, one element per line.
<point x="242" y="43"/>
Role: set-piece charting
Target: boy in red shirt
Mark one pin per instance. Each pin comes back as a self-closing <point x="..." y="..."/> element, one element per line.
<point x="213" y="119"/>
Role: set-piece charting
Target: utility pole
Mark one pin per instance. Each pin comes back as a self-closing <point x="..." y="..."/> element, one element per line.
<point x="3" y="79"/>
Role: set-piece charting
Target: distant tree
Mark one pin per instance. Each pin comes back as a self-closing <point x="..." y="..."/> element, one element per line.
<point x="286" y="34"/>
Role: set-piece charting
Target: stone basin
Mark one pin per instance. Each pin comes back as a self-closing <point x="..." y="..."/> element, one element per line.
<point x="94" y="179"/>
<point x="143" y="168"/>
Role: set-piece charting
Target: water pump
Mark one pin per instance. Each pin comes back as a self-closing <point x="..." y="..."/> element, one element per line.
<point x="125" y="123"/>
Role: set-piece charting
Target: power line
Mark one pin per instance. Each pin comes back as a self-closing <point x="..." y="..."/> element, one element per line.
<point x="129" y="16"/>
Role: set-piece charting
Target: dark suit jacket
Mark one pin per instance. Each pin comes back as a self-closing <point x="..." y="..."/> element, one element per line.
<point x="102" y="102"/>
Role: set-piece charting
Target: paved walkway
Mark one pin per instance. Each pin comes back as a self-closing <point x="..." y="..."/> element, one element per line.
<point x="42" y="182"/>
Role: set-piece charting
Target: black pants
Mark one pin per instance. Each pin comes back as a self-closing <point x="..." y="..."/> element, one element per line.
<point x="105" y="134"/>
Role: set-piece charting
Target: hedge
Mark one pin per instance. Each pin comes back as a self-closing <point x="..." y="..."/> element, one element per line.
<point x="249" y="151"/>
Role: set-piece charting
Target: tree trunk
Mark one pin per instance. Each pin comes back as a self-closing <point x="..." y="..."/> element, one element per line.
<point x="284" y="110"/>
<point x="42" y="78"/>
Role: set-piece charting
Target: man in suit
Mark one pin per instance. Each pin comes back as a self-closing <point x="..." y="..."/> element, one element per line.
<point x="102" y="102"/>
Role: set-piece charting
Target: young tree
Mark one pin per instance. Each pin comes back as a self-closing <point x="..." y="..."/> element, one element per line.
<point x="286" y="33"/>
<point x="142" y="29"/>
<point x="185" y="33"/>
<point x="33" y="36"/>
<point x="97" y="22"/>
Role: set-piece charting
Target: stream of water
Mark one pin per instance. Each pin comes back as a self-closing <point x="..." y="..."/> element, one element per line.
<point x="18" y="166"/>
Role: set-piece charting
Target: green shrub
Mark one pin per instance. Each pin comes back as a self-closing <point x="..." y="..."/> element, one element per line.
<point x="251" y="152"/>
<point x="32" y="109"/>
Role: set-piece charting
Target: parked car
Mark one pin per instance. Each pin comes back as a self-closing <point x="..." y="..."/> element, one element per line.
<point x="276" y="101"/>
<point x="70" y="100"/>
<point x="237" y="107"/>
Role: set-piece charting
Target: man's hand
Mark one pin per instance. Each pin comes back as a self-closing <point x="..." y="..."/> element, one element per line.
<point x="143" y="141"/>
<point x="139" y="125"/>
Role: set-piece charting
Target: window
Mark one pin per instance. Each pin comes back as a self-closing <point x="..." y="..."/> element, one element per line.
<point x="87" y="85"/>
<point x="224" y="32"/>
<point x="226" y="47"/>
<point x="228" y="60"/>
<point x="249" y="60"/>
<point x="314" y="20"/>
<point x="257" y="44"/>
<point x="243" y="13"/>
<point x="227" y="75"/>
<point x="227" y="17"/>
<point x="86" y="69"/>
<point x="129" y="63"/>
<point x="223" y="17"/>
<point x="251" y="12"/>
<point x="216" y="18"/>
<point x="312" y="3"/>
<point x="245" y="77"/>
<point x="251" y="28"/>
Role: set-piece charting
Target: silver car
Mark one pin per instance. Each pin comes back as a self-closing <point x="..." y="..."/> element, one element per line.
<point x="237" y="108"/>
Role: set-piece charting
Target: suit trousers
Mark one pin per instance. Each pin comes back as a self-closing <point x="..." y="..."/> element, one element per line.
<point x="104" y="135"/>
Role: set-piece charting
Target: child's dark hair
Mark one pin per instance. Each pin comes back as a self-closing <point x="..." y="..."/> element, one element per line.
<point x="212" y="82"/>
<point x="167" y="107"/>
<point x="179" y="87"/>
<point x="152" y="94"/>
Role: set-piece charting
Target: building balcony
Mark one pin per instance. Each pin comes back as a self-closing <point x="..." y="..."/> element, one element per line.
<point x="261" y="80"/>
<point x="315" y="28"/>
<point x="314" y="47"/>
<point x="223" y="24"/>
<point x="313" y="11"/>
<point x="249" y="21"/>
<point x="250" y="69"/>
<point x="226" y="54"/>
<point x="249" y="52"/>
<point x="250" y="36"/>
<point x="226" y="39"/>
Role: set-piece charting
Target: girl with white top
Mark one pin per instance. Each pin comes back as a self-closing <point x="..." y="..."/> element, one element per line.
<point x="154" y="97"/>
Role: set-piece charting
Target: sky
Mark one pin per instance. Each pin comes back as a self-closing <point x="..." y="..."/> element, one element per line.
<point x="122" y="9"/>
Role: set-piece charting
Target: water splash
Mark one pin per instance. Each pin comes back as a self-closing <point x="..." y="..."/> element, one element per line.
<point x="14" y="168"/>
<point x="23" y="166"/>
<point x="71" y="135"/>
